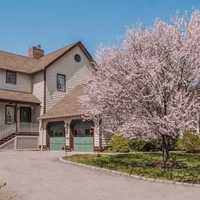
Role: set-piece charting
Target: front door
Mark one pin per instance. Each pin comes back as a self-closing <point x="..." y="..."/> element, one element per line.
<point x="25" y="114"/>
<point x="56" y="136"/>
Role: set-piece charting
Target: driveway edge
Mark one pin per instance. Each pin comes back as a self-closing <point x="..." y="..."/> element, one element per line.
<point x="113" y="172"/>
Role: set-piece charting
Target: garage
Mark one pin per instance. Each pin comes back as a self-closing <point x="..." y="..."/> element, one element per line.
<point x="73" y="133"/>
<point x="56" y="134"/>
<point x="82" y="132"/>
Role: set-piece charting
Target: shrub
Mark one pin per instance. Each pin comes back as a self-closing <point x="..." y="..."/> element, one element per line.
<point x="189" y="142"/>
<point x="136" y="144"/>
<point x="154" y="144"/>
<point x="118" y="143"/>
<point x="144" y="145"/>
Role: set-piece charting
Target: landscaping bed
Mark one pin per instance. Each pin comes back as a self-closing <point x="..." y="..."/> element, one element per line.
<point x="144" y="164"/>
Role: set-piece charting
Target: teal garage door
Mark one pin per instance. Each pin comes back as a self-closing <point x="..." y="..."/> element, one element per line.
<point x="56" y="136"/>
<point x="83" y="144"/>
<point x="57" y="143"/>
<point x="82" y="132"/>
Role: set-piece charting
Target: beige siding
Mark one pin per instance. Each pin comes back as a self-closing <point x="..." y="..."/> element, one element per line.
<point x="2" y="114"/>
<point x="105" y="138"/>
<point x="21" y="143"/>
<point x="26" y="142"/>
<point x="35" y="111"/>
<point x="38" y="89"/>
<point x="24" y="82"/>
<point x="75" y="72"/>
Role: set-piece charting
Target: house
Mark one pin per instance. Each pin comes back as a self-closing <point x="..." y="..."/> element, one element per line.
<point x="39" y="100"/>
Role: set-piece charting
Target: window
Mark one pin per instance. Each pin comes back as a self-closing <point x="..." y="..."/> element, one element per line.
<point x="77" y="58"/>
<point x="61" y="82"/>
<point x="25" y="114"/>
<point x="89" y="132"/>
<point x="11" y="77"/>
<point x="10" y="114"/>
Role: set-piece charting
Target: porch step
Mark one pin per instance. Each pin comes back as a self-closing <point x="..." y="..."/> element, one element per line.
<point x="6" y="139"/>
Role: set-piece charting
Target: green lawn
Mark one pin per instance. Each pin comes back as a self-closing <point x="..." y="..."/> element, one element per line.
<point x="187" y="170"/>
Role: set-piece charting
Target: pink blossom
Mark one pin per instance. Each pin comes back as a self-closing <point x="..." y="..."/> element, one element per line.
<point x="144" y="86"/>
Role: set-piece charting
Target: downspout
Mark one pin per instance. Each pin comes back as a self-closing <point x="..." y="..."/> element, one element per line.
<point x="16" y="121"/>
<point x="16" y="117"/>
<point x="45" y="98"/>
<point x="44" y="106"/>
<point x="41" y="129"/>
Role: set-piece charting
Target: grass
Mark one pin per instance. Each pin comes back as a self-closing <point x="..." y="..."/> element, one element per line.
<point x="187" y="170"/>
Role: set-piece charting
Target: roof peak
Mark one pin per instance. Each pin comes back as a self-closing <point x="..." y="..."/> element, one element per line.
<point x="50" y="52"/>
<point x="30" y="65"/>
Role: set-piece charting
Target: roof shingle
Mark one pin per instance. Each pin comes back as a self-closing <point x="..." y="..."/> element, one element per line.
<point x="68" y="106"/>
<point x="25" y="64"/>
<point x="7" y="95"/>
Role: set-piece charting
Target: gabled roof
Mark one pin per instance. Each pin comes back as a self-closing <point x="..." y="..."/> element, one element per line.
<point x="68" y="106"/>
<point x="25" y="64"/>
<point x="7" y="95"/>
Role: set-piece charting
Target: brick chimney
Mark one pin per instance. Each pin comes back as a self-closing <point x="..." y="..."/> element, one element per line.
<point x="36" y="52"/>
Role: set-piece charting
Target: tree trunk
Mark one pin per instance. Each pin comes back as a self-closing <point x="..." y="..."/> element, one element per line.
<point x="165" y="151"/>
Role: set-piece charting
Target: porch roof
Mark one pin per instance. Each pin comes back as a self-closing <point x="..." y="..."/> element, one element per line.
<point x="13" y="96"/>
<point x="69" y="106"/>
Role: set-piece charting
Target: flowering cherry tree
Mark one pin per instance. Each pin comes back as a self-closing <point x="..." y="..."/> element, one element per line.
<point x="147" y="84"/>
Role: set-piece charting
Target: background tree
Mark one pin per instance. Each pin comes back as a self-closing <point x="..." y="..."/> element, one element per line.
<point x="145" y="85"/>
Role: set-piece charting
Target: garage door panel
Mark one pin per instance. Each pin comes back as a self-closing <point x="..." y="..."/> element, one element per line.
<point x="57" y="143"/>
<point x="56" y="133"/>
<point x="83" y="144"/>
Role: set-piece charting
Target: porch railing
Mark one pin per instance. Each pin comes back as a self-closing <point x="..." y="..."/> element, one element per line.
<point x="6" y="130"/>
<point x="28" y="127"/>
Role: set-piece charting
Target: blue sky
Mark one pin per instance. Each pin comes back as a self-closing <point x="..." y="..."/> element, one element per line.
<point x="55" y="23"/>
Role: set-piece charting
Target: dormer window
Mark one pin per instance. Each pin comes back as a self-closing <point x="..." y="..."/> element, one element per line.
<point x="11" y="77"/>
<point x="61" y="82"/>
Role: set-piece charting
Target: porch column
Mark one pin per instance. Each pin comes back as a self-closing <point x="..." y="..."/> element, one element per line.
<point x="97" y="138"/>
<point x="67" y="135"/>
<point x="42" y="135"/>
<point x="17" y="118"/>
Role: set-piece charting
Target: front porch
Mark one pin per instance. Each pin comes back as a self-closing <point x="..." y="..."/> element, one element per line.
<point x="19" y="126"/>
<point x="19" y="129"/>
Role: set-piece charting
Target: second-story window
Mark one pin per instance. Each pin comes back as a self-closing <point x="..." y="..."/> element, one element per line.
<point x="61" y="82"/>
<point x="11" y="77"/>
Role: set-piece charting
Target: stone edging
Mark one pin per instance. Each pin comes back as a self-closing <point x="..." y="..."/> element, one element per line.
<point x="113" y="172"/>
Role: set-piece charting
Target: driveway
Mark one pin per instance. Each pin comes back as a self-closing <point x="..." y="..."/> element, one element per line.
<point x="39" y="176"/>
